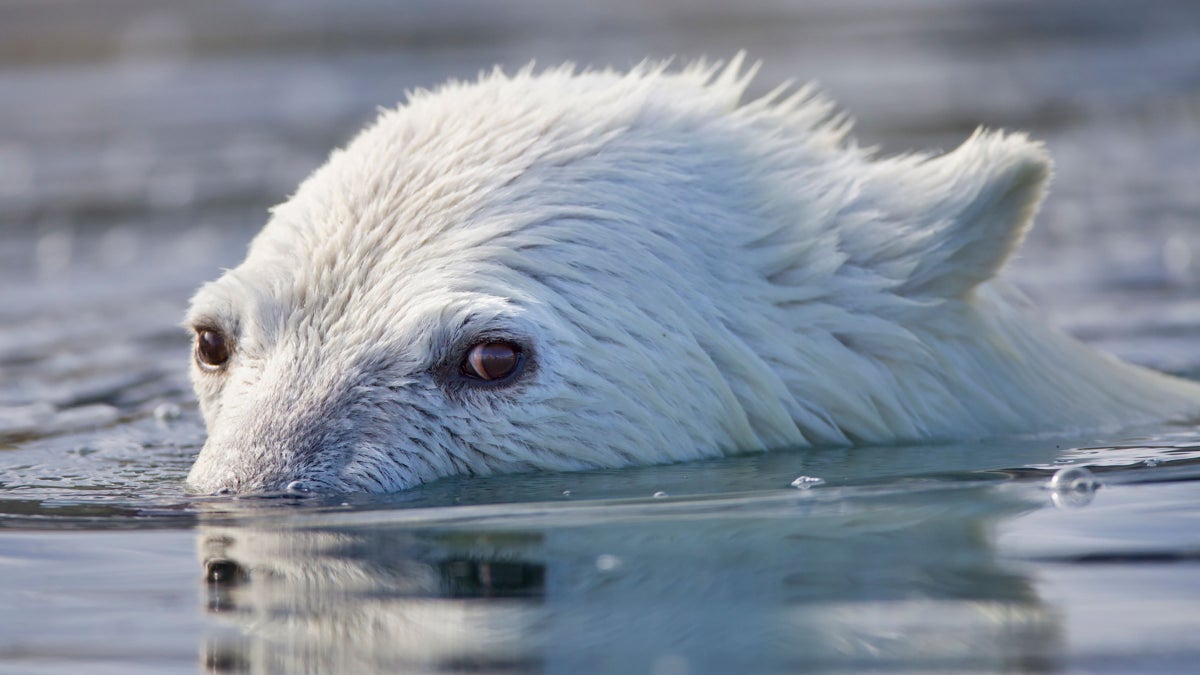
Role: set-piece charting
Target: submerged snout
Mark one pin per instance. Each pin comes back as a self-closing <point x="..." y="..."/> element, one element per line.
<point x="274" y="443"/>
<point x="313" y="459"/>
<point x="240" y="468"/>
<point x="279" y="428"/>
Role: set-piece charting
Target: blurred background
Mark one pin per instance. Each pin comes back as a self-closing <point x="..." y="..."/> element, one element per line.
<point x="141" y="142"/>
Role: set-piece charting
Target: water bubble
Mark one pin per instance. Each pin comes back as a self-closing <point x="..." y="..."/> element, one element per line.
<point x="1073" y="487"/>
<point x="299" y="487"/>
<point x="660" y="495"/>
<point x="606" y="562"/>
<point x="806" y="482"/>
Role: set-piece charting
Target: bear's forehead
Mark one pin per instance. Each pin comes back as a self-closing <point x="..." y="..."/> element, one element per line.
<point x="427" y="166"/>
<point x="435" y="182"/>
<point x="451" y="193"/>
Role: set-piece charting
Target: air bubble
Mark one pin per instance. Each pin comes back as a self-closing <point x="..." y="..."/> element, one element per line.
<point x="299" y="487"/>
<point x="1073" y="487"/>
<point x="660" y="495"/>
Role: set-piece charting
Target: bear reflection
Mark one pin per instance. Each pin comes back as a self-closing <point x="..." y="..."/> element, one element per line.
<point x="705" y="590"/>
<point x="345" y="601"/>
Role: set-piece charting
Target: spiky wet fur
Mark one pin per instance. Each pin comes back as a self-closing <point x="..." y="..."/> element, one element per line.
<point x="691" y="276"/>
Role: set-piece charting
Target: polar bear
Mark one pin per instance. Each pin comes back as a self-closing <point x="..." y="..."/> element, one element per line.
<point x="564" y="270"/>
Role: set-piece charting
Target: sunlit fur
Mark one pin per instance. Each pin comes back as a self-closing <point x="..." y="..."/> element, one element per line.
<point x="690" y="275"/>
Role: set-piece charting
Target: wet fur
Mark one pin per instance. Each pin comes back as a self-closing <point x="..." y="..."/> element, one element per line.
<point x="691" y="275"/>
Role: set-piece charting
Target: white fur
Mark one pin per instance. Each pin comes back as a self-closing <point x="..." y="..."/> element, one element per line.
<point x="691" y="276"/>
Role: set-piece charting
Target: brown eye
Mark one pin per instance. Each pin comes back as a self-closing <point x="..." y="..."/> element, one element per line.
<point x="491" y="361"/>
<point x="212" y="348"/>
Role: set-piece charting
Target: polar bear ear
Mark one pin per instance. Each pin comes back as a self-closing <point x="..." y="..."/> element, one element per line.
<point x="971" y="207"/>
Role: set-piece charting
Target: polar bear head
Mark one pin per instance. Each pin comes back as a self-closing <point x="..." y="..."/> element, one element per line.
<point x="565" y="270"/>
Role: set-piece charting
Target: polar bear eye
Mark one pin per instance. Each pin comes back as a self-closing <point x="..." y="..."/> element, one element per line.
<point x="212" y="348"/>
<point x="491" y="361"/>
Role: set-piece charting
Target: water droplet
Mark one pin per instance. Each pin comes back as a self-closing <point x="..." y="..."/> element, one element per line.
<point x="1073" y="487"/>
<point x="299" y="487"/>
<point x="660" y="495"/>
<point x="806" y="482"/>
<point x="606" y="562"/>
<point x="566" y="493"/>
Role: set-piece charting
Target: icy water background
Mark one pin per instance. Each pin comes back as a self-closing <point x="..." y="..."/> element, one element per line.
<point x="142" y="141"/>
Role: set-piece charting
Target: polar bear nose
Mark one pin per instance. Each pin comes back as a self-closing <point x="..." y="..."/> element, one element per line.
<point x="240" y="468"/>
<point x="269" y="482"/>
<point x="277" y="435"/>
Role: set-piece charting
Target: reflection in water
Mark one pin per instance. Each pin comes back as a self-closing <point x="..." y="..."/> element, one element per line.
<point x="772" y="582"/>
<point x="373" y="599"/>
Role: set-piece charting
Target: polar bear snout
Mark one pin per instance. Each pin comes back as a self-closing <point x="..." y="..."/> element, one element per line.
<point x="232" y="467"/>
<point x="285" y="435"/>
<point x="273" y="431"/>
